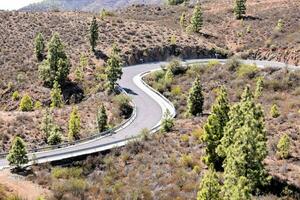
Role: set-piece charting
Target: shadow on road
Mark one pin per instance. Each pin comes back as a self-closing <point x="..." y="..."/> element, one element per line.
<point x="129" y="91"/>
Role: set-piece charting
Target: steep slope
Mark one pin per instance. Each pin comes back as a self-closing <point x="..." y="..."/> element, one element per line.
<point x="85" y="5"/>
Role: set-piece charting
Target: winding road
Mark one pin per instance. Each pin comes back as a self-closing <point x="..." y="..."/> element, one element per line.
<point x="150" y="106"/>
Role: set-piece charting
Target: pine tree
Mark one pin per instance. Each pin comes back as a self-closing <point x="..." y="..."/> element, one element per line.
<point x="244" y="144"/>
<point x="167" y="122"/>
<point x="113" y="70"/>
<point x="214" y="128"/>
<point x="57" y="65"/>
<point x="239" y="8"/>
<point x="102" y="119"/>
<point x="17" y="154"/>
<point x="197" y="20"/>
<point x="47" y="124"/>
<point x="283" y="147"/>
<point x="39" y="47"/>
<point x="56" y="96"/>
<point x="74" y="124"/>
<point x="259" y="88"/>
<point x="26" y="103"/>
<point x="195" y="99"/>
<point x="94" y="35"/>
<point x="209" y="187"/>
<point x="55" y="136"/>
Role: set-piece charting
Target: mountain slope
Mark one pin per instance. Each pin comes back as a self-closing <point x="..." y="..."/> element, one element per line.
<point x="85" y="5"/>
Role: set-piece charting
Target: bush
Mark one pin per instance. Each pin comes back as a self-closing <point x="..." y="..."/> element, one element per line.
<point x="247" y="71"/>
<point x="55" y="136"/>
<point x="197" y="134"/>
<point x="123" y="102"/>
<point x="213" y="63"/>
<point x="187" y="161"/>
<point x="233" y="64"/>
<point x="175" y="66"/>
<point x="66" y="173"/>
<point x="184" y="138"/>
<point x="275" y="111"/>
<point x="26" y="103"/>
<point x="77" y="186"/>
<point x="37" y="105"/>
<point x="176" y="91"/>
<point x="283" y="147"/>
<point x="15" y="96"/>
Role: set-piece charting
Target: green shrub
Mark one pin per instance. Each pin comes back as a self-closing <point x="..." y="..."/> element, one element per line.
<point x="66" y="173"/>
<point x="176" y="91"/>
<point x="197" y="133"/>
<point x="55" y="136"/>
<point x="37" y="105"/>
<point x="275" y="111"/>
<point x="279" y="26"/>
<point x="176" y="67"/>
<point x="77" y="186"/>
<point x="145" y="134"/>
<point x="184" y="138"/>
<point x="246" y="70"/>
<point x="123" y="102"/>
<point x="15" y="96"/>
<point x="26" y="103"/>
<point x="105" y="13"/>
<point x="213" y="63"/>
<point x="197" y="169"/>
<point x="233" y="64"/>
<point x="283" y="147"/>
<point x="158" y="75"/>
<point x="187" y="161"/>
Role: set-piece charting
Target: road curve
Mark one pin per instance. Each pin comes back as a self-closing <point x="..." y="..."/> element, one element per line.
<point x="149" y="110"/>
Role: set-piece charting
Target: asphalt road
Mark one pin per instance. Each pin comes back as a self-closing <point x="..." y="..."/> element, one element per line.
<point x="148" y="114"/>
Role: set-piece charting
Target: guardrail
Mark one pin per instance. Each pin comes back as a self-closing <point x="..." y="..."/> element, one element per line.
<point x="89" y="138"/>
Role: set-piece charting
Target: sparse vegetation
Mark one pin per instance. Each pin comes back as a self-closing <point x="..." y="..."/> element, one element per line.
<point x="167" y="122"/>
<point x="274" y="111"/>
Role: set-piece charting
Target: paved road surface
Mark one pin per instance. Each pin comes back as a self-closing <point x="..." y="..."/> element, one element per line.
<point x="149" y="113"/>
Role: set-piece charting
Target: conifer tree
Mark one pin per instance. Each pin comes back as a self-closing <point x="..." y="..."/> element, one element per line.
<point x="239" y="8"/>
<point x="244" y="144"/>
<point x="259" y="88"/>
<point x="195" y="99"/>
<point x="39" y="47"/>
<point x="26" y="103"/>
<point x="167" y="122"/>
<point x="57" y="65"/>
<point x="74" y="124"/>
<point x="197" y="20"/>
<point x="102" y="119"/>
<point x="209" y="187"/>
<point x="94" y="35"/>
<point x="283" y="147"/>
<point x="113" y="70"/>
<point x="214" y="128"/>
<point x="17" y="154"/>
<point x="47" y="124"/>
<point x="55" y="136"/>
<point x="56" y="96"/>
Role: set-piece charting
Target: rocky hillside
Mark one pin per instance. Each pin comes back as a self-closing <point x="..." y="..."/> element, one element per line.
<point x="85" y="5"/>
